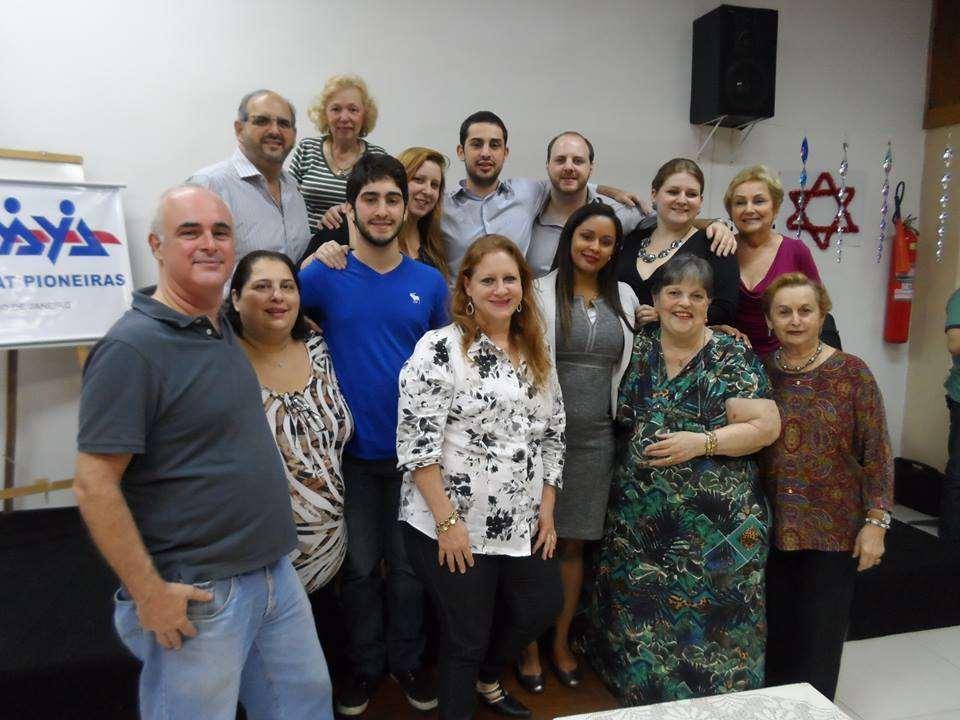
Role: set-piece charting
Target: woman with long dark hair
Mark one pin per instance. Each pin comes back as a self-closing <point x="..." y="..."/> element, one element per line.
<point x="588" y="318"/>
<point x="303" y="403"/>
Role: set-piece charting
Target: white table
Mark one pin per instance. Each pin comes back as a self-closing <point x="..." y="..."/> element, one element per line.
<point x="786" y="702"/>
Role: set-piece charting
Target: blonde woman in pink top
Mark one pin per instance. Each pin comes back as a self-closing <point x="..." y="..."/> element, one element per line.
<point x="753" y="200"/>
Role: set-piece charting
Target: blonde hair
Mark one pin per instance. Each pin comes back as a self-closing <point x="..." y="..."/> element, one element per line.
<point x="431" y="237"/>
<point x="795" y="279"/>
<point x="318" y="111"/>
<point x="755" y="173"/>
<point x="526" y="326"/>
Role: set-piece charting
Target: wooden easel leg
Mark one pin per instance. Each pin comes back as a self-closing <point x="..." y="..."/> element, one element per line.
<point x="11" y="427"/>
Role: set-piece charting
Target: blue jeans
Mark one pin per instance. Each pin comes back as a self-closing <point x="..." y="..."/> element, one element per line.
<point x="255" y="642"/>
<point x="950" y="495"/>
<point x="371" y="508"/>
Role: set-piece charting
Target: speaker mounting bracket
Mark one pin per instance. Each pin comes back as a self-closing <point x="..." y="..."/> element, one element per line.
<point x="745" y="130"/>
<point x="714" y="125"/>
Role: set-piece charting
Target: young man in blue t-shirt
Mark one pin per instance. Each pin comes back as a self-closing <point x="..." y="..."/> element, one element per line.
<point x="372" y="314"/>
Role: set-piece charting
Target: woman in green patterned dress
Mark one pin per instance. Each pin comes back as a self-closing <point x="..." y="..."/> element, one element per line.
<point x="677" y="610"/>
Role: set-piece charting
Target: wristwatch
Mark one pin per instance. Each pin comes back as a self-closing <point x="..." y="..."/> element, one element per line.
<point x="882" y="522"/>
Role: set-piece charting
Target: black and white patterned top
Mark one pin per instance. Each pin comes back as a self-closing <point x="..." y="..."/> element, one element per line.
<point x="496" y="438"/>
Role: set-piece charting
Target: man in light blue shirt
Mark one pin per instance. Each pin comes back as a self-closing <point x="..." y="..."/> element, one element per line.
<point x="483" y="204"/>
<point x="268" y="210"/>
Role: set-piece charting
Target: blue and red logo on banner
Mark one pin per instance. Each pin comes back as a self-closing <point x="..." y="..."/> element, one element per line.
<point x="64" y="263"/>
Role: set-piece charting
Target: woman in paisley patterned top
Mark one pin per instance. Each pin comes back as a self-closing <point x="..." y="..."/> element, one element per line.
<point x="829" y="478"/>
<point x="677" y="608"/>
<point x="481" y="431"/>
<point x="303" y="403"/>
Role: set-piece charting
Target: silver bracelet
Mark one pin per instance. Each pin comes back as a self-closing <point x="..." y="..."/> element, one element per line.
<point x="878" y="523"/>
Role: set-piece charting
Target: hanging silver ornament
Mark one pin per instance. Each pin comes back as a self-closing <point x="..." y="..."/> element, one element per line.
<point x="841" y="196"/>
<point x="943" y="216"/>
<point x="884" y="192"/>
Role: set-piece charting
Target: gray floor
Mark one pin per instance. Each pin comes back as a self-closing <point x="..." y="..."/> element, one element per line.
<point x="913" y="676"/>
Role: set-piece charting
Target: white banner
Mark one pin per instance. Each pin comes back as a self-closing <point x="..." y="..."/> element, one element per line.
<point x="64" y="266"/>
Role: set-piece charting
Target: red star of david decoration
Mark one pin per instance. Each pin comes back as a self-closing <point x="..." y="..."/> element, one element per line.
<point x="823" y="187"/>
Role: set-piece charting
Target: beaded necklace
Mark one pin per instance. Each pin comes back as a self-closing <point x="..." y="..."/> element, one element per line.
<point x="802" y="366"/>
<point x="650" y="257"/>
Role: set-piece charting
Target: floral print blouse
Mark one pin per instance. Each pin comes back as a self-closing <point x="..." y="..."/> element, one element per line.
<point x="496" y="438"/>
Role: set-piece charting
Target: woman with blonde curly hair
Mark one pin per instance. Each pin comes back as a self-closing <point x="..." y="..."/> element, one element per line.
<point x="344" y="113"/>
<point x="480" y="434"/>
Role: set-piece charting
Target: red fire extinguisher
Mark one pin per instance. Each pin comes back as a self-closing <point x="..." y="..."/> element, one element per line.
<point x="903" y="262"/>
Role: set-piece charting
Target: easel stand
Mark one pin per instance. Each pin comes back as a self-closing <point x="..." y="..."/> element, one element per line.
<point x="13" y="359"/>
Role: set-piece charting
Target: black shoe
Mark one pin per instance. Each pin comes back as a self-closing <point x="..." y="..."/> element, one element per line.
<point x="503" y="703"/>
<point x="354" y="696"/>
<point x="530" y="683"/>
<point x="567" y="678"/>
<point x="419" y="689"/>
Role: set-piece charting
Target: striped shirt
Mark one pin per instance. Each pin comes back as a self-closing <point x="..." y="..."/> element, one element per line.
<point x="321" y="187"/>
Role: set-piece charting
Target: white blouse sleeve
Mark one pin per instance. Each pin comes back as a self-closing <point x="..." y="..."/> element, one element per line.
<point x="554" y="442"/>
<point x="426" y="392"/>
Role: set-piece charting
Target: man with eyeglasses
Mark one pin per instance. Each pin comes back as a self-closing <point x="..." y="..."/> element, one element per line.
<point x="266" y="204"/>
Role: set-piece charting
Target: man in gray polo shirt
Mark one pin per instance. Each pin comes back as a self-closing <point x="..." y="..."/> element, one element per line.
<point x="266" y="204"/>
<point x="182" y="488"/>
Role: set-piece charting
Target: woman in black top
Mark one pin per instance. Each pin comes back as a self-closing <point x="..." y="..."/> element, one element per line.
<point x="677" y="193"/>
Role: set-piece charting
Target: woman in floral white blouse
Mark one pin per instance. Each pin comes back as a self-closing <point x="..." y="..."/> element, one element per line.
<point x="481" y="431"/>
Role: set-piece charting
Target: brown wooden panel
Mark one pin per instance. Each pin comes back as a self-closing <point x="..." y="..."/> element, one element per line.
<point x="40" y="156"/>
<point x="943" y="66"/>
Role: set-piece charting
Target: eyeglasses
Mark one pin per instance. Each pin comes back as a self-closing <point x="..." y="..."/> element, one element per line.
<point x="267" y="120"/>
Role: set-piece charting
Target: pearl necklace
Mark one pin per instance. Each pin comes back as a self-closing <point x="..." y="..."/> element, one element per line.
<point x="778" y="356"/>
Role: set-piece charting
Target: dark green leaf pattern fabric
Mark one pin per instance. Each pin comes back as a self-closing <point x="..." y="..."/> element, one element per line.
<point x="677" y="609"/>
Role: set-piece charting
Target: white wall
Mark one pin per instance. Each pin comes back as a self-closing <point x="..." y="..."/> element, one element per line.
<point x="146" y="92"/>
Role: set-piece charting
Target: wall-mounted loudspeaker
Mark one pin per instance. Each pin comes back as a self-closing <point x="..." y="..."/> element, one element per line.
<point x="734" y="66"/>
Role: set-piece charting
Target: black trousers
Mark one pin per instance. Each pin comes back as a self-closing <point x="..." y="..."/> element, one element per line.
<point x="529" y="592"/>
<point x="809" y="593"/>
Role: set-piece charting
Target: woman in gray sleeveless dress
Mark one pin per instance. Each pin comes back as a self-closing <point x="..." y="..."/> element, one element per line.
<point x="589" y="328"/>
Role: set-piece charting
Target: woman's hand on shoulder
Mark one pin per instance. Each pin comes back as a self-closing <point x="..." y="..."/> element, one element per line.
<point x="869" y="546"/>
<point x="331" y="253"/>
<point x="454" y="549"/>
<point x="724" y="242"/>
<point x="645" y="314"/>
<point x="730" y="330"/>
<point x="333" y="217"/>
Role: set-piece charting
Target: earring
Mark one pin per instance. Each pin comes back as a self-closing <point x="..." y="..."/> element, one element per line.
<point x="519" y="307"/>
<point x="469" y="309"/>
